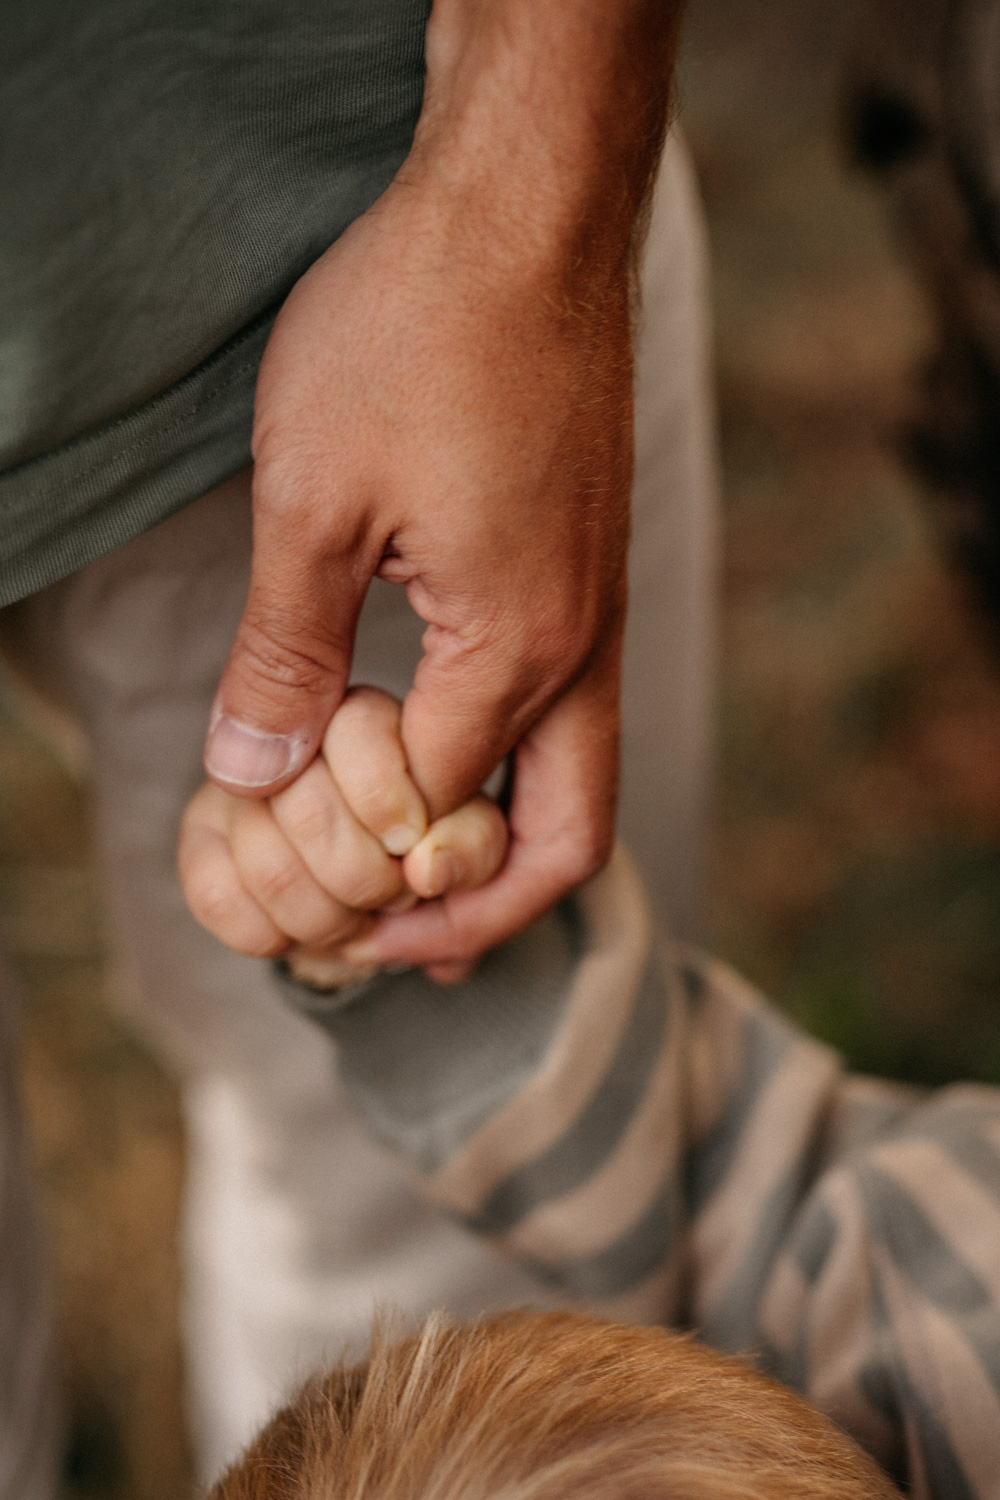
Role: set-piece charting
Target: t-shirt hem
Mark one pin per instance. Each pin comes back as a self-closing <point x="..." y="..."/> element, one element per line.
<point x="99" y="491"/>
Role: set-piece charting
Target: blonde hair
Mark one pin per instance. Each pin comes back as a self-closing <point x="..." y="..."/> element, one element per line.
<point x="546" y="1407"/>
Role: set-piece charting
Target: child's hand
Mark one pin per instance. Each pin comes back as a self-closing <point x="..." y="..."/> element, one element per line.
<point x="306" y="872"/>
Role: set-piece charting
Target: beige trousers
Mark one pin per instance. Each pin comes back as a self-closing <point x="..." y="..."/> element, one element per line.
<point x="296" y="1225"/>
<point x="29" y="1427"/>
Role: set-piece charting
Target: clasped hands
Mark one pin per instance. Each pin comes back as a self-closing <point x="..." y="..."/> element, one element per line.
<point x="446" y="402"/>
<point x="304" y="873"/>
<point x="467" y="437"/>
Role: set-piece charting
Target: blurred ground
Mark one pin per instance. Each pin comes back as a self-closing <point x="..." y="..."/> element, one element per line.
<point x="857" y="869"/>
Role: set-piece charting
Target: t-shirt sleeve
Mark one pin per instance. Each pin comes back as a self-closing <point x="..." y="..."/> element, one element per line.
<point x="541" y="1101"/>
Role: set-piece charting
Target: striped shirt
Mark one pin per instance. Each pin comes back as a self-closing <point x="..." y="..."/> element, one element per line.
<point x="642" y="1129"/>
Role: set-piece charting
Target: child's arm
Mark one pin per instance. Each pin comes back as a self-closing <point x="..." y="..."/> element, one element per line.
<point x="307" y="872"/>
<point x="640" y="1128"/>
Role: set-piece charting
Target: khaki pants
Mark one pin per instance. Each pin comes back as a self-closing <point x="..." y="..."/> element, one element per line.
<point x="296" y="1225"/>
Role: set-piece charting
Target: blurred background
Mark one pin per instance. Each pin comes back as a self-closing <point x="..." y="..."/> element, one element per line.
<point x="856" y="870"/>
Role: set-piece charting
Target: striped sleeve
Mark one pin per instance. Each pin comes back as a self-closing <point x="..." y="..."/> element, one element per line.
<point x="640" y="1128"/>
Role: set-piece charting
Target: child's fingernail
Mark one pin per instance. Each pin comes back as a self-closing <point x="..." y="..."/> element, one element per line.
<point x="248" y="757"/>
<point x="400" y="839"/>
<point x="362" y="952"/>
<point x="442" y="875"/>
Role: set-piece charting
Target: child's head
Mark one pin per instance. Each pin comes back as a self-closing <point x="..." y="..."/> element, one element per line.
<point x="550" y="1407"/>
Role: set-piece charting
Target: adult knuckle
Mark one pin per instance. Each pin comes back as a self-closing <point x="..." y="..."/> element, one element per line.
<point x="301" y="664"/>
<point x="557" y="643"/>
<point x="546" y="650"/>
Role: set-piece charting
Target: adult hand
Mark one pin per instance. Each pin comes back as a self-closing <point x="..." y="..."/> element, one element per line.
<point x="446" y="401"/>
<point x="303" y="872"/>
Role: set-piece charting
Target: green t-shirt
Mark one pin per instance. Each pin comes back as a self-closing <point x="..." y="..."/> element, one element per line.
<point x="168" y="169"/>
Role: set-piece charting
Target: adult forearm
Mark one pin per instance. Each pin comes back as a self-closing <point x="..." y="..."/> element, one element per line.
<point x="446" y="401"/>
<point x="548" y="116"/>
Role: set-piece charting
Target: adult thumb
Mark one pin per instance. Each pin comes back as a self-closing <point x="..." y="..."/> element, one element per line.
<point x="288" y="669"/>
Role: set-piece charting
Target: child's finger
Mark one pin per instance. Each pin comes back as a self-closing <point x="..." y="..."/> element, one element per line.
<point x="324" y="969"/>
<point x="365" y="753"/>
<point x="212" y="887"/>
<point x="346" y="860"/>
<point x="280" y="882"/>
<point x="459" y="852"/>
